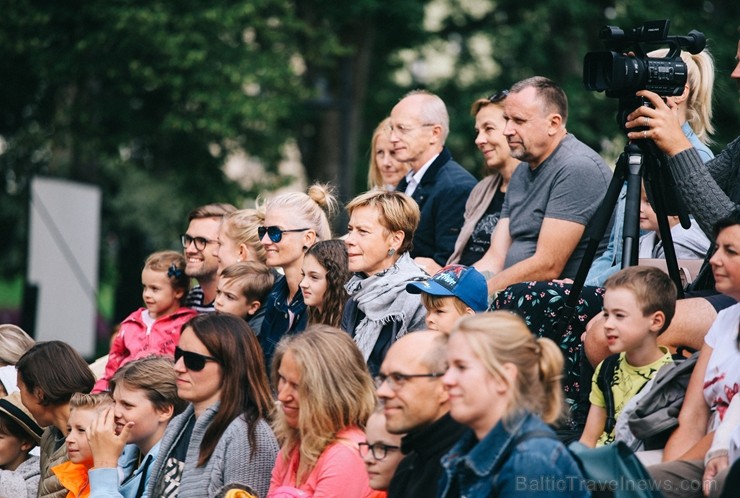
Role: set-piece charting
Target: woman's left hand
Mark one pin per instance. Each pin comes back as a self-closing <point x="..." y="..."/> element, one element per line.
<point x="660" y="123"/>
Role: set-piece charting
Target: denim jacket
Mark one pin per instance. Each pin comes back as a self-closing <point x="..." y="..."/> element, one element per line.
<point x="538" y="467"/>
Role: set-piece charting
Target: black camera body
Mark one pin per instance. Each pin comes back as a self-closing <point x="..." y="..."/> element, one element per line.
<point x="625" y="68"/>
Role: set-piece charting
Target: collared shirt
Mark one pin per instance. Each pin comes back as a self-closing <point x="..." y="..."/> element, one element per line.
<point x="414" y="179"/>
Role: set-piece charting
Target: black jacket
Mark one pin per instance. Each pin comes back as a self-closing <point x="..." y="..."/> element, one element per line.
<point x="441" y="196"/>
<point x="418" y="474"/>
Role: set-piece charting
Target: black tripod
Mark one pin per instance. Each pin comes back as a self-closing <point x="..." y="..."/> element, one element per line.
<point x="639" y="160"/>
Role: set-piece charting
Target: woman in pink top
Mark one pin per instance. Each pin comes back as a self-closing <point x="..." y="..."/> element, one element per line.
<point x="325" y="396"/>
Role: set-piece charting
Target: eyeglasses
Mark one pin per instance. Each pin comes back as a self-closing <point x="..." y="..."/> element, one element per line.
<point x="200" y="242"/>
<point x="497" y="97"/>
<point x="193" y="361"/>
<point x="378" y="450"/>
<point x="397" y="380"/>
<point x="405" y="130"/>
<point x="276" y="233"/>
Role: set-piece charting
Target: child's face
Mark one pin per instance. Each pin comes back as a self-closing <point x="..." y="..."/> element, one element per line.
<point x="626" y="327"/>
<point x="78" y="448"/>
<point x="160" y="298"/>
<point x="648" y="218"/>
<point x="381" y="471"/>
<point x="314" y="282"/>
<point x="132" y="405"/>
<point x="13" y="451"/>
<point x="231" y="299"/>
<point x="444" y="317"/>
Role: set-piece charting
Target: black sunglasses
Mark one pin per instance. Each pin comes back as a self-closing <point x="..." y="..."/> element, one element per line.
<point x="276" y="233"/>
<point x="497" y="97"/>
<point x="193" y="361"/>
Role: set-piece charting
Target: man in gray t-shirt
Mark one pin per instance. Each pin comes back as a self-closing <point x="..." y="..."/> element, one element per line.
<point x="552" y="195"/>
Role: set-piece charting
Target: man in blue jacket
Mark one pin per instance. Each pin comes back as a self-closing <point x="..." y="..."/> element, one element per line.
<point x="419" y="127"/>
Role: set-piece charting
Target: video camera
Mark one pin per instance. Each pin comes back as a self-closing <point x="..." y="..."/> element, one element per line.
<point x="625" y="67"/>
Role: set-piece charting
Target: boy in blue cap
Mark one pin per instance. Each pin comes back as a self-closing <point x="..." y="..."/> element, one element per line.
<point x="453" y="292"/>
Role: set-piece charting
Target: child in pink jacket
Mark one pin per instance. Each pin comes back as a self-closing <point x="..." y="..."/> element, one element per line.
<point x="155" y="328"/>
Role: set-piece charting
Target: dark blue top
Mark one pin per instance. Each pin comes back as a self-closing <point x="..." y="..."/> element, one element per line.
<point x="276" y="322"/>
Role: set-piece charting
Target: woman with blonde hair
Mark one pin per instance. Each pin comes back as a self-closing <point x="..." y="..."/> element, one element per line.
<point x="380" y="232"/>
<point x="238" y="239"/>
<point x="384" y="171"/>
<point x="14" y="342"/>
<point x="293" y="223"/>
<point x="325" y="397"/>
<point x="504" y="384"/>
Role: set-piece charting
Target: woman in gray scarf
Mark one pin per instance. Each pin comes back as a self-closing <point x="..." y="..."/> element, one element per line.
<point x="379" y="310"/>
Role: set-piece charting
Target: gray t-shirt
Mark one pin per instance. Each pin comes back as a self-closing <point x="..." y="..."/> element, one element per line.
<point x="569" y="185"/>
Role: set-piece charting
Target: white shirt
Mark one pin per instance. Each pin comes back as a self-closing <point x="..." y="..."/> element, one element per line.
<point x="414" y="179"/>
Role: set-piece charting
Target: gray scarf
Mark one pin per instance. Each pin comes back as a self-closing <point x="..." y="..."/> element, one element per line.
<point x="383" y="298"/>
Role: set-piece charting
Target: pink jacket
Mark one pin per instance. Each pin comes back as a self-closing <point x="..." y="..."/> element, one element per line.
<point x="135" y="341"/>
<point x="339" y="471"/>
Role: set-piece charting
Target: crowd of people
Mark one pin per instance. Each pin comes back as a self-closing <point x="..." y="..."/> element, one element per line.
<point x="419" y="353"/>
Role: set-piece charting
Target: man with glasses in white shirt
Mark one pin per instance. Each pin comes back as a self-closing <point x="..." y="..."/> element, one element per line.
<point x="439" y="185"/>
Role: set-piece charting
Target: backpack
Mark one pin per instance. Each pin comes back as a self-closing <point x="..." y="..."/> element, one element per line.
<point x="655" y="415"/>
<point x="610" y="471"/>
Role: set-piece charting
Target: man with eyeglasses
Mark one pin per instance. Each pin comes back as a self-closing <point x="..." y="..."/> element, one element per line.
<point x="198" y="243"/>
<point x="439" y="185"/>
<point x="416" y="404"/>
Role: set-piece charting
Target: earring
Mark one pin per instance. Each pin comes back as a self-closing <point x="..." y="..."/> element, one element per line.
<point x="391" y="251"/>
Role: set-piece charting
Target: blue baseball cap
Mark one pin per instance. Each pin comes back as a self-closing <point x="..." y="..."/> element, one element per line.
<point x="463" y="282"/>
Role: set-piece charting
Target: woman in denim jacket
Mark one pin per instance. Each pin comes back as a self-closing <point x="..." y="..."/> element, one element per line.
<point x="505" y="383"/>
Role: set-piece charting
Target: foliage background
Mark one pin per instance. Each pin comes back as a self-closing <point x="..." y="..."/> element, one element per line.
<point x="149" y="99"/>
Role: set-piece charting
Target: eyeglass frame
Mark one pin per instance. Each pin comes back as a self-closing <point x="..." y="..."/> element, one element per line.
<point x="498" y="96"/>
<point x="263" y="230"/>
<point x="186" y="240"/>
<point x="397" y="380"/>
<point x="372" y="447"/>
<point x="189" y="356"/>
<point x="405" y="130"/>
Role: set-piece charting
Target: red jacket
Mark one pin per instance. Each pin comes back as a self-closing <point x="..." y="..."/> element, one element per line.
<point x="135" y="341"/>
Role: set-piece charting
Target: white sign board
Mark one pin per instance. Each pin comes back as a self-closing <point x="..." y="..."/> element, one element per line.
<point x="63" y="261"/>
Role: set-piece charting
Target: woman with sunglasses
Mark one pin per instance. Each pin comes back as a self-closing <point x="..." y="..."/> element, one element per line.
<point x="293" y="223"/>
<point x="381" y="452"/>
<point x="325" y="396"/>
<point x="483" y="208"/>
<point x="223" y="436"/>
<point x="380" y="230"/>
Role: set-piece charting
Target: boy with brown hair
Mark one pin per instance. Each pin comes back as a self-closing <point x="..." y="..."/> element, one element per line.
<point x="639" y="304"/>
<point x="242" y="289"/>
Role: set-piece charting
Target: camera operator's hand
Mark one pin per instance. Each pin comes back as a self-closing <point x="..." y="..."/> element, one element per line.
<point x="658" y="123"/>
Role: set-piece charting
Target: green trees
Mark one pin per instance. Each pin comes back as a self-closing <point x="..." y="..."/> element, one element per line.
<point x="149" y="98"/>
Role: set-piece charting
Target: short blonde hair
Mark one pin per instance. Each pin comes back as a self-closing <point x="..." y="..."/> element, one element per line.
<point x="397" y="212"/>
<point x="501" y="337"/>
<point x="90" y="401"/>
<point x="241" y="227"/>
<point x="335" y="389"/>
<point x="432" y="302"/>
